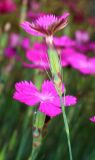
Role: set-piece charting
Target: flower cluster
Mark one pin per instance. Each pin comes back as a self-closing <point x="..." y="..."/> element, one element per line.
<point x="68" y="54"/>
<point x="26" y="92"/>
<point x="71" y="53"/>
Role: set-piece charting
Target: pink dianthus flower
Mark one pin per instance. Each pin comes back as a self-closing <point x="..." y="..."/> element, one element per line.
<point x="46" y="25"/>
<point x="26" y="92"/>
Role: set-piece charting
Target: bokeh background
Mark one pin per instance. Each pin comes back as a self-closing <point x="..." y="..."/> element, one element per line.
<point x="15" y="118"/>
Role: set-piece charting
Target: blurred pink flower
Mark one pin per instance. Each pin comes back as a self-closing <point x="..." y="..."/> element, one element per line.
<point x="82" y="36"/>
<point x="79" y="61"/>
<point x="7" y="6"/>
<point x="34" y="10"/>
<point x="39" y="57"/>
<point x="10" y="52"/>
<point x="25" y="43"/>
<point x="14" y="39"/>
<point x="84" y="65"/>
<point x="40" y="46"/>
<point x="83" y="42"/>
<point x="92" y="119"/>
<point x="34" y="5"/>
<point x="64" y="41"/>
<point x="27" y="93"/>
<point x="46" y="25"/>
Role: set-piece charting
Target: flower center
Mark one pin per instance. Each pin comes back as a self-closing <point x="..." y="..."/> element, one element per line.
<point x="46" y="97"/>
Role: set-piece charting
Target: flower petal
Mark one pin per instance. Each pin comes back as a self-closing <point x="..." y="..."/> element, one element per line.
<point x="48" y="87"/>
<point x="63" y="41"/>
<point x="35" y="55"/>
<point x="38" y="56"/>
<point x="69" y="100"/>
<point x="62" y="22"/>
<point x="49" y="109"/>
<point x="27" y="27"/>
<point x="46" y="20"/>
<point x="26" y="92"/>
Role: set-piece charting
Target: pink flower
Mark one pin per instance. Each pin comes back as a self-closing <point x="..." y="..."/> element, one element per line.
<point x="82" y="36"/>
<point x="35" y="5"/>
<point x="83" y="42"/>
<point x="79" y="61"/>
<point x="39" y="57"/>
<point x="25" y="43"/>
<point x="92" y="119"/>
<point x="10" y="52"/>
<point x="71" y="55"/>
<point x="86" y="66"/>
<point x="27" y="93"/>
<point x="7" y="6"/>
<point x="14" y="39"/>
<point x="64" y="41"/>
<point x="46" y="25"/>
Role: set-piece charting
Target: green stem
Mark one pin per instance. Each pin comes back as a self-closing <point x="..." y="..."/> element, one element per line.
<point x="37" y="134"/>
<point x="66" y="127"/>
<point x="33" y="155"/>
<point x="56" y="74"/>
<point x="23" y="10"/>
<point x="38" y="122"/>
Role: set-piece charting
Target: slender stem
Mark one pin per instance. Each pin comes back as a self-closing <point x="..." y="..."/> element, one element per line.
<point x="56" y="74"/>
<point x="23" y="10"/>
<point x="37" y="134"/>
<point x="66" y="127"/>
<point x="36" y="146"/>
<point x="38" y="122"/>
<point x="33" y="155"/>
